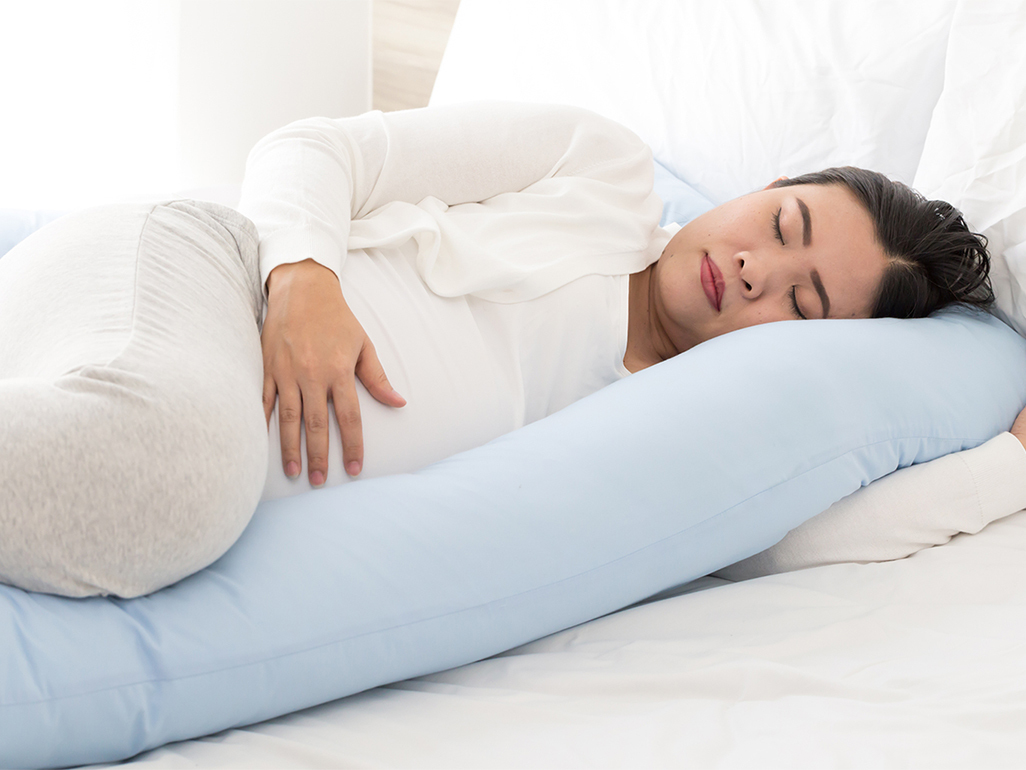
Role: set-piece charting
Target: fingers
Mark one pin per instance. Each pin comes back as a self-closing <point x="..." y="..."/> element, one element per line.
<point x="290" y="409"/>
<point x="347" y="412"/>
<point x="372" y="375"/>
<point x="315" y="416"/>
<point x="308" y="407"/>
<point x="304" y="403"/>
<point x="270" y="393"/>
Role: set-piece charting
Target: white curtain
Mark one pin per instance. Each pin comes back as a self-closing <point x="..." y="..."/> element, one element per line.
<point x="108" y="99"/>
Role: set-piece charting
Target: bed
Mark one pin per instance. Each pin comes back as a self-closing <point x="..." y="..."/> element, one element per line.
<point x="911" y="662"/>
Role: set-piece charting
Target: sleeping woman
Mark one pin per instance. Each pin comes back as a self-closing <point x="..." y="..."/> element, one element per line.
<point x="495" y="262"/>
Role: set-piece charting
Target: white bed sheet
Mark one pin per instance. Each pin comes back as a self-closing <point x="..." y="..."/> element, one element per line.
<point x="913" y="663"/>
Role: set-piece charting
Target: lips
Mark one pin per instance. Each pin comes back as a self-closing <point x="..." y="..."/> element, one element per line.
<point x="712" y="282"/>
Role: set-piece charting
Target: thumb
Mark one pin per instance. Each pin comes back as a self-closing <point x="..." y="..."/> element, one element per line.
<point x="372" y="375"/>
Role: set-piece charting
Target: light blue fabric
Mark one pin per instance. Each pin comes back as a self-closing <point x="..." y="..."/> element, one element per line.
<point x="16" y="225"/>
<point x="681" y="201"/>
<point x="664" y="476"/>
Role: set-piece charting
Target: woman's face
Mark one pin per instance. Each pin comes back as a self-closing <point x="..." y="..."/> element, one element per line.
<point x="731" y="267"/>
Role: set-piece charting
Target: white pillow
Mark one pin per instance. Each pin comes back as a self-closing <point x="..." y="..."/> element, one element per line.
<point x="730" y="95"/>
<point x="904" y="512"/>
<point x="975" y="152"/>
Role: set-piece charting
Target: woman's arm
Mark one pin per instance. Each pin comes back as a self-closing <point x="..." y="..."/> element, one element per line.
<point x="307" y="181"/>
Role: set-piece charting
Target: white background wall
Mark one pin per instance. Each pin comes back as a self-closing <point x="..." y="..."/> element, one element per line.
<point x="106" y="99"/>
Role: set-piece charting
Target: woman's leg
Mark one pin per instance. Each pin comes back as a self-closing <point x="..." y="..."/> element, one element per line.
<point x="132" y="438"/>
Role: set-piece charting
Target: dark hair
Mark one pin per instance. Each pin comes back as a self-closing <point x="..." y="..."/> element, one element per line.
<point x="935" y="260"/>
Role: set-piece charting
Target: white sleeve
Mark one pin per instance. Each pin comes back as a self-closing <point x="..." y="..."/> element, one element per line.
<point x="904" y="512"/>
<point x="305" y="182"/>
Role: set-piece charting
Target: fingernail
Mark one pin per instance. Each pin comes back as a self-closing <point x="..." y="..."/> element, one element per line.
<point x="353" y="468"/>
<point x="292" y="469"/>
<point x="396" y="393"/>
<point x="316" y="478"/>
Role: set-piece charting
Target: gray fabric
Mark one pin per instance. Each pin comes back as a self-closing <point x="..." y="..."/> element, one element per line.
<point x="133" y="446"/>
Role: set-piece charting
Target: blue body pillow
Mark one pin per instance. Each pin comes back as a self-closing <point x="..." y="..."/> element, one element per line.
<point x="665" y="476"/>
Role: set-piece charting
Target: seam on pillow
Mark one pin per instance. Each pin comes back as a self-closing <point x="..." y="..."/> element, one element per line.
<point x="434" y="618"/>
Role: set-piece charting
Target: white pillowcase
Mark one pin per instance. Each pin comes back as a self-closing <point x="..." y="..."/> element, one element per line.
<point x="902" y="513"/>
<point x="975" y="152"/>
<point x="730" y="95"/>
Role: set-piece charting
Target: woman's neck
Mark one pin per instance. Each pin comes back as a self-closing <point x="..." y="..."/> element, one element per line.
<point x="643" y="343"/>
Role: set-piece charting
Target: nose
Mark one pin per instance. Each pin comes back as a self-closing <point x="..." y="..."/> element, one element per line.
<point x="751" y="274"/>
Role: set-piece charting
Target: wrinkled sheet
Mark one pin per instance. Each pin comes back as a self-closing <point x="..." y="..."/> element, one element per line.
<point x="918" y="662"/>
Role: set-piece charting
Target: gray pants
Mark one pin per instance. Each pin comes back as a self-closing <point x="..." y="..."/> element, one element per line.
<point x="133" y="438"/>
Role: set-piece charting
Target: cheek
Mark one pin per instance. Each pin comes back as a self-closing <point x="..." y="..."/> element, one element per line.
<point x="754" y="314"/>
<point x="677" y="287"/>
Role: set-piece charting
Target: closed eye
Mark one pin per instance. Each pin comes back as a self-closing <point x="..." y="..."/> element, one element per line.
<point x="776" y="226"/>
<point x="794" y="303"/>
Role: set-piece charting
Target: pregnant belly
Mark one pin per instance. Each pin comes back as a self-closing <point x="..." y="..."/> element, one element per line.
<point x="433" y="354"/>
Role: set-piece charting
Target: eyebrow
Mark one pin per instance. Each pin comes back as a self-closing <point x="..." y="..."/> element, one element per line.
<point x="806" y="224"/>
<point x="818" y="283"/>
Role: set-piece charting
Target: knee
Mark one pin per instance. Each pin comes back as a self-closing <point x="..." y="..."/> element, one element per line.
<point x="124" y="501"/>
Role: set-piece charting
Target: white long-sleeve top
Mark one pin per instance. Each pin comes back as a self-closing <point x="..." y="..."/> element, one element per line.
<point x="486" y="250"/>
<point x="504" y="201"/>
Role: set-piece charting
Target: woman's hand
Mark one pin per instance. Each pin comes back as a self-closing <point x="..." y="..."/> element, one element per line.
<point x="314" y="348"/>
